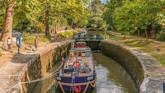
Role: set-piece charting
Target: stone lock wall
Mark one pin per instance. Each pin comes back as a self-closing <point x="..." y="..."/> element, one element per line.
<point x="126" y="59"/>
<point x="147" y="73"/>
<point x="42" y="66"/>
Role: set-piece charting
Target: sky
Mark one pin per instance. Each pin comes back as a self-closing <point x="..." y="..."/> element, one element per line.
<point x="104" y="1"/>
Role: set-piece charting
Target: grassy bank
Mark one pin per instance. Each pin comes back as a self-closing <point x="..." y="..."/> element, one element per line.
<point x="67" y="34"/>
<point x="154" y="48"/>
<point x="30" y="39"/>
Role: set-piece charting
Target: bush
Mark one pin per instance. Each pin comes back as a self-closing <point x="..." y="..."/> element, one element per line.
<point x="66" y="34"/>
<point x="30" y="39"/>
<point x="25" y="36"/>
<point x="43" y="39"/>
<point x="161" y="37"/>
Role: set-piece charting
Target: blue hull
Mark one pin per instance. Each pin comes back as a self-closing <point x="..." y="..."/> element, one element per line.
<point x="89" y="90"/>
<point x="69" y="89"/>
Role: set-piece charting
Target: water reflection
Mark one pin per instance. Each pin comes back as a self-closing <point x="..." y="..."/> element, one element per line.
<point x="111" y="77"/>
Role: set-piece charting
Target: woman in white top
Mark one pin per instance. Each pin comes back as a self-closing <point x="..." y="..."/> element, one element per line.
<point x="9" y="43"/>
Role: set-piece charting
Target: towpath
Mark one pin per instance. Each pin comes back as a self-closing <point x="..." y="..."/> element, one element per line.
<point x="11" y="71"/>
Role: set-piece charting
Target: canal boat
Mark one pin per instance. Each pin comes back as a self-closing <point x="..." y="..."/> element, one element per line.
<point x="77" y="74"/>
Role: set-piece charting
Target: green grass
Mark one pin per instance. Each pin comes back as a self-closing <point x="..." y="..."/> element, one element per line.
<point x="141" y="44"/>
<point x="30" y="39"/>
<point x="43" y="38"/>
<point x="148" y="47"/>
<point x="160" y="58"/>
<point x="137" y="43"/>
<point x="68" y="34"/>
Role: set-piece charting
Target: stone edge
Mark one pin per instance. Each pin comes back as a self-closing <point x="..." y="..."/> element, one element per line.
<point x="146" y="81"/>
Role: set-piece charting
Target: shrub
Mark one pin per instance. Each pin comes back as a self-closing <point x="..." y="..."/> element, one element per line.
<point x="25" y="36"/>
<point x="161" y="37"/>
<point x="43" y="39"/>
<point x="66" y="34"/>
<point x="30" y="39"/>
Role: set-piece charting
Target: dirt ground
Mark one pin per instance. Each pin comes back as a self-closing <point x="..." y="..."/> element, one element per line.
<point x="7" y="55"/>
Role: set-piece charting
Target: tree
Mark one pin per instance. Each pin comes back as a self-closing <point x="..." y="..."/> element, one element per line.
<point x="108" y="14"/>
<point x="136" y="15"/>
<point x="9" y="16"/>
<point x="96" y="21"/>
<point x="29" y="14"/>
<point x="8" y="23"/>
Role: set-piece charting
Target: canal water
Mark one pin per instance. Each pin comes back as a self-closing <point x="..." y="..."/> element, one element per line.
<point x="111" y="77"/>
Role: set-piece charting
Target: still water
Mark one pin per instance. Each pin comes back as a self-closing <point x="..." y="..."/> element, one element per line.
<point x="111" y="77"/>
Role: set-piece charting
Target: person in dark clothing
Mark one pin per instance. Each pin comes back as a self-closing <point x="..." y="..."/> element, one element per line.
<point x="63" y="63"/>
<point x="36" y="42"/>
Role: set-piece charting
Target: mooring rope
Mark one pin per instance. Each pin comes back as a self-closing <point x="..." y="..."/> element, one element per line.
<point x="77" y="84"/>
<point x="37" y="80"/>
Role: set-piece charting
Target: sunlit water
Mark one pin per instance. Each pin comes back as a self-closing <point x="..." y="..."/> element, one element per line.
<point x="111" y="77"/>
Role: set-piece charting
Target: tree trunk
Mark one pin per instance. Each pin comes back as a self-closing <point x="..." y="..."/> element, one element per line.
<point x="72" y="24"/>
<point x="146" y="34"/>
<point x="47" y="23"/>
<point x="8" y="23"/>
<point x="56" y="27"/>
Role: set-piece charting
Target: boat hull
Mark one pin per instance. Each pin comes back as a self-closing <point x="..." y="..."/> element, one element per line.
<point x="89" y="89"/>
<point x="66" y="85"/>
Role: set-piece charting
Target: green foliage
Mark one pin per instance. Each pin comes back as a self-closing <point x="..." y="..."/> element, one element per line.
<point x="161" y="37"/>
<point x="43" y="39"/>
<point x="108" y="14"/>
<point x="30" y="39"/>
<point x="29" y="15"/>
<point x="67" y="34"/>
<point x="2" y="10"/>
<point x="130" y="16"/>
<point x="96" y="21"/>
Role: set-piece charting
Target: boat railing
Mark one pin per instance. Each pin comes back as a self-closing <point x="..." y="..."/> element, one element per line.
<point x="89" y="37"/>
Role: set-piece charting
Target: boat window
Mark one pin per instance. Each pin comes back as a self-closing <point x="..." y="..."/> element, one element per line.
<point x="79" y="53"/>
<point x="75" y="53"/>
<point x="87" y="53"/>
<point x="71" y="54"/>
<point x="83" y="53"/>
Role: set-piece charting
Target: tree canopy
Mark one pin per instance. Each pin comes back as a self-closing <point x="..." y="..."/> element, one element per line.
<point x="133" y="15"/>
<point x="30" y="14"/>
<point x="96" y="21"/>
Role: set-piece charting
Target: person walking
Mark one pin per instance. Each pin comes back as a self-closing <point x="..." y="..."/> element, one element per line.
<point x="36" y="42"/>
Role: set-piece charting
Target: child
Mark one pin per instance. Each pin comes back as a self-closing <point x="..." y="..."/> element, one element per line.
<point x="9" y="43"/>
